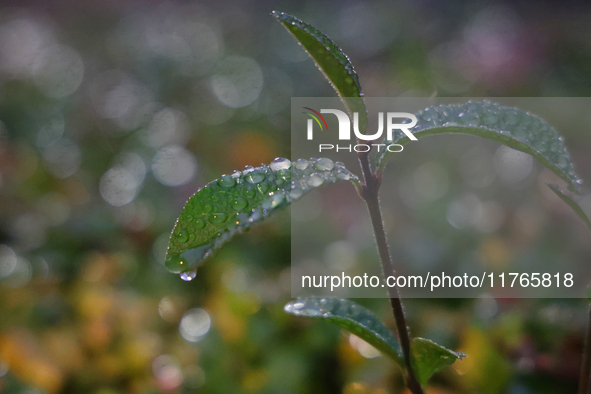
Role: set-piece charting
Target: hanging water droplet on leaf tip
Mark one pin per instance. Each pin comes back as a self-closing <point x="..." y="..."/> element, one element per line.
<point x="188" y="276"/>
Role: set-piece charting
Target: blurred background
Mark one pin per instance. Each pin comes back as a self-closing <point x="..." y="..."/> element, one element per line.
<point x="113" y="113"/>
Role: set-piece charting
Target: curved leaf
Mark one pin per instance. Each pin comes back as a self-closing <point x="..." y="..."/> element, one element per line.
<point x="353" y="318"/>
<point x="509" y="126"/>
<point x="236" y="202"/>
<point x="331" y="61"/>
<point x="570" y="200"/>
<point x="429" y="357"/>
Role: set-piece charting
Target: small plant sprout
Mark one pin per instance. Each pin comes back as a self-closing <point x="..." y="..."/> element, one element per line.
<point x="235" y="202"/>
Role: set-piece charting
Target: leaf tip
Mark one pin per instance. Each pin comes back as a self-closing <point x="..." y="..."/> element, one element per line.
<point x="280" y="15"/>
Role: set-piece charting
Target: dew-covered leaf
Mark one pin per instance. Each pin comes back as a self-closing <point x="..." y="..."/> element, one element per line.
<point x="236" y="202"/>
<point x="429" y="357"/>
<point x="509" y="126"/>
<point x="331" y="61"/>
<point x="353" y="318"/>
<point x="571" y="201"/>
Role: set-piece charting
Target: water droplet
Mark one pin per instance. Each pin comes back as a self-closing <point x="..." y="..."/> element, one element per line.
<point x="256" y="215"/>
<point x="200" y="223"/>
<point x="280" y="163"/>
<point x="240" y="203"/>
<point x="182" y="236"/>
<point x="469" y="119"/>
<point x="296" y="194"/>
<point x="344" y="176"/>
<point x="227" y="181"/>
<point x="175" y="264"/>
<point x="242" y="218"/>
<point x="285" y="174"/>
<point x="301" y="164"/>
<point x="207" y="207"/>
<point x="300" y="308"/>
<point x="263" y="187"/>
<point x="187" y="260"/>
<point x="273" y="201"/>
<point x="218" y="218"/>
<point x="490" y="117"/>
<point x="250" y="193"/>
<point x="520" y="133"/>
<point x="315" y="181"/>
<point x="511" y="117"/>
<point x="255" y="177"/>
<point x="188" y="276"/>
<point x="324" y="164"/>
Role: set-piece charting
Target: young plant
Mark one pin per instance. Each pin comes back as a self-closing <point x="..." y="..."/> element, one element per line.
<point x="238" y="201"/>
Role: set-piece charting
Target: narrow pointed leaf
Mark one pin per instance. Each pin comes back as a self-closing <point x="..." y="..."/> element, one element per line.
<point x="353" y="318"/>
<point x="509" y="126"/>
<point x="236" y="202"/>
<point x="429" y="357"/>
<point x="331" y="61"/>
<point x="571" y="201"/>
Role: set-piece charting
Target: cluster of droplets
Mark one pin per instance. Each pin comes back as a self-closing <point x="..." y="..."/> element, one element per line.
<point x="322" y="307"/>
<point x="506" y="125"/>
<point x="313" y="173"/>
<point x="235" y="202"/>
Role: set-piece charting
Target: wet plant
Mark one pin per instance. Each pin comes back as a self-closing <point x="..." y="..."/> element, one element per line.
<point x="235" y="202"/>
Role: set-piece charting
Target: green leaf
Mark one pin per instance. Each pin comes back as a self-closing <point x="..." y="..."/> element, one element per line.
<point x="429" y="357"/>
<point x="570" y="200"/>
<point x="234" y="203"/>
<point x="509" y="126"/>
<point x="331" y="61"/>
<point x="353" y="318"/>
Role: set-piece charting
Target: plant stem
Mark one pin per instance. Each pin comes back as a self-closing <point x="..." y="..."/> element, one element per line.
<point x="371" y="187"/>
<point x="584" y="387"/>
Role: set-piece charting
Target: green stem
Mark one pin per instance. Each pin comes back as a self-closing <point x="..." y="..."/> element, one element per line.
<point x="371" y="186"/>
